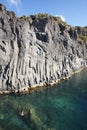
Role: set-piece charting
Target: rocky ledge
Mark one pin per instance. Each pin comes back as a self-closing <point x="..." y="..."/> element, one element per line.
<point x="38" y="50"/>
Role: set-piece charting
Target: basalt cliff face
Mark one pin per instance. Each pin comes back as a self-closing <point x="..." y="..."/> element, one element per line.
<point x="37" y="50"/>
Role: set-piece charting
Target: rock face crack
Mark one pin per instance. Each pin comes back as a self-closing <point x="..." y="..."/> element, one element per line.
<point x="37" y="50"/>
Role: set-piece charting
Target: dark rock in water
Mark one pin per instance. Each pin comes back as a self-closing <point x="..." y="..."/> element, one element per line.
<point x="36" y="50"/>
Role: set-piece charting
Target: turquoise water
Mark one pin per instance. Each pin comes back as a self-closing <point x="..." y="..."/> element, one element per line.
<point x="61" y="107"/>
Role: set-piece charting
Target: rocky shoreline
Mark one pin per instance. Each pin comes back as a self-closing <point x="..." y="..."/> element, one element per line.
<point x="28" y="90"/>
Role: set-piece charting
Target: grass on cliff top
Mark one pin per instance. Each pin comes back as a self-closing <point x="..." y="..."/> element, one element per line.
<point x="24" y="17"/>
<point x="83" y="38"/>
<point x="81" y="30"/>
<point x="82" y="33"/>
<point x="57" y="19"/>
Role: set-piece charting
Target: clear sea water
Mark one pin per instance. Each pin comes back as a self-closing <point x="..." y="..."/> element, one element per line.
<point x="61" y="107"/>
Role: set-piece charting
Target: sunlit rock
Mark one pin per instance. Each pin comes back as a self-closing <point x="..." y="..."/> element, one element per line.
<point x="37" y="50"/>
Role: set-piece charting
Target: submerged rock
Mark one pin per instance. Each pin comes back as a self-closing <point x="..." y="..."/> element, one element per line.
<point x="37" y="50"/>
<point x="1" y="116"/>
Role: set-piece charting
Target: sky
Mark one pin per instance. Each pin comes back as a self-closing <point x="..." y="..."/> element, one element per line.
<point x="74" y="12"/>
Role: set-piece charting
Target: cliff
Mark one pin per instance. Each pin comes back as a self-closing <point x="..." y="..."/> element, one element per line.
<point x="38" y="50"/>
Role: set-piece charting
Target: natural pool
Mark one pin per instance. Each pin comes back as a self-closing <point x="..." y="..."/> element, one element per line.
<point x="62" y="107"/>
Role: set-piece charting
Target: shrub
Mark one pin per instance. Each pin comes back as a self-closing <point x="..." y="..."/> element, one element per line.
<point x="24" y="17"/>
<point x="40" y="15"/>
<point x="83" y="38"/>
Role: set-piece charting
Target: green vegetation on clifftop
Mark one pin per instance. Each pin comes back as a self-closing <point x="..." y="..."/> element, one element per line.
<point x="82" y="33"/>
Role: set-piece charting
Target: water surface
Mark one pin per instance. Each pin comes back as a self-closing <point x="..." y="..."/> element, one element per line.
<point x="62" y="107"/>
